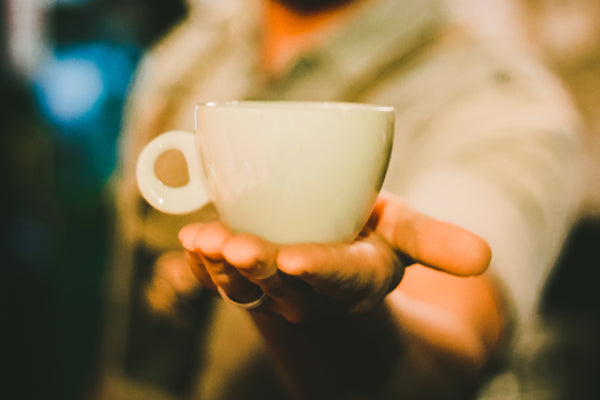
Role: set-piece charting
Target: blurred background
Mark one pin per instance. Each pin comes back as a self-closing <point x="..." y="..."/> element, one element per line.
<point x="67" y="67"/>
<point x="66" y="70"/>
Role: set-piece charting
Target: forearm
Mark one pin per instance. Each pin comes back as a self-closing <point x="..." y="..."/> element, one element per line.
<point x="407" y="346"/>
<point x="335" y="357"/>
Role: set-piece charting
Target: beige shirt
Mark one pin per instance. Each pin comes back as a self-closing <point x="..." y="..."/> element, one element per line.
<point x="485" y="136"/>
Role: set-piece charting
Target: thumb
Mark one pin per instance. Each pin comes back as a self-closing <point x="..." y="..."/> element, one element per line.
<point x="434" y="243"/>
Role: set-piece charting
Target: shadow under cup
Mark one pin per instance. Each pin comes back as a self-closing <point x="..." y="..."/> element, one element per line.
<point x="289" y="172"/>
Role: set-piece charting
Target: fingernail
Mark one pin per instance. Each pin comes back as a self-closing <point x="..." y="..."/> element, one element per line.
<point x="186" y="237"/>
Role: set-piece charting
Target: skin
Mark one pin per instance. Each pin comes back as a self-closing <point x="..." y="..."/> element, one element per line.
<point x="287" y="32"/>
<point x="343" y="318"/>
<point x="406" y="310"/>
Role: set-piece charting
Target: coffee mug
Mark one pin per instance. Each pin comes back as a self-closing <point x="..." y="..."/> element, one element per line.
<point x="288" y="172"/>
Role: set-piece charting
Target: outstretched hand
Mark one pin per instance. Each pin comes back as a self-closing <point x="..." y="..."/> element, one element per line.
<point x="303" y="281"/>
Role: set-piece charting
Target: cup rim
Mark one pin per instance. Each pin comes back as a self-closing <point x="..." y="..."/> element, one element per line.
<point x="294" y="104"/>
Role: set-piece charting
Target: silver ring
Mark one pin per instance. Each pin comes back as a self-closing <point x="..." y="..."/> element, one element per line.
<point x="246" y="306"/>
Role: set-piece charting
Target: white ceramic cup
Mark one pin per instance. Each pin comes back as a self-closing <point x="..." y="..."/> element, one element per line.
<point x="289" y="172"/>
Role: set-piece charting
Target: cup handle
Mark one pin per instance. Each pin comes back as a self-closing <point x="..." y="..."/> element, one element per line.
<point x="171" y="200"/>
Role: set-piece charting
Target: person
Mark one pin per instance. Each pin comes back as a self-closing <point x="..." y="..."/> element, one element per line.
<point x="481" y="189"/>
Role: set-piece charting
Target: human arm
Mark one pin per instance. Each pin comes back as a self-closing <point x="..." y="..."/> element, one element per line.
<point x="333" y="326"/>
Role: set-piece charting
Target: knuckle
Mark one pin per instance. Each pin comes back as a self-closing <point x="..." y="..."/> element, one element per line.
<point x="296" y="317"/>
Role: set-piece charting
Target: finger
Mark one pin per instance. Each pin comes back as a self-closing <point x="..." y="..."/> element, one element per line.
<point x="209" y="242"/>
<point x="172" y="267"/>
<point x="255" y="259"/>
<point x="431" y="242"/>
<point x="187" y="235"/>
<point x="288" y="296"/>
<point x="197" y="267"/>
<point x="171" y="281"/>
<point x="361" y="272"/>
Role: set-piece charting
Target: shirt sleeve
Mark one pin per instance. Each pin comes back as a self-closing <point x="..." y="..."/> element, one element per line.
<point x="503" y="162"/>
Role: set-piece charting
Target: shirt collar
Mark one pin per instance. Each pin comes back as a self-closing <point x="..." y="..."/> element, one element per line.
<point x="380" y="34"/>
<point x="386" y="31"/>
<point x="342" y="66"/>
